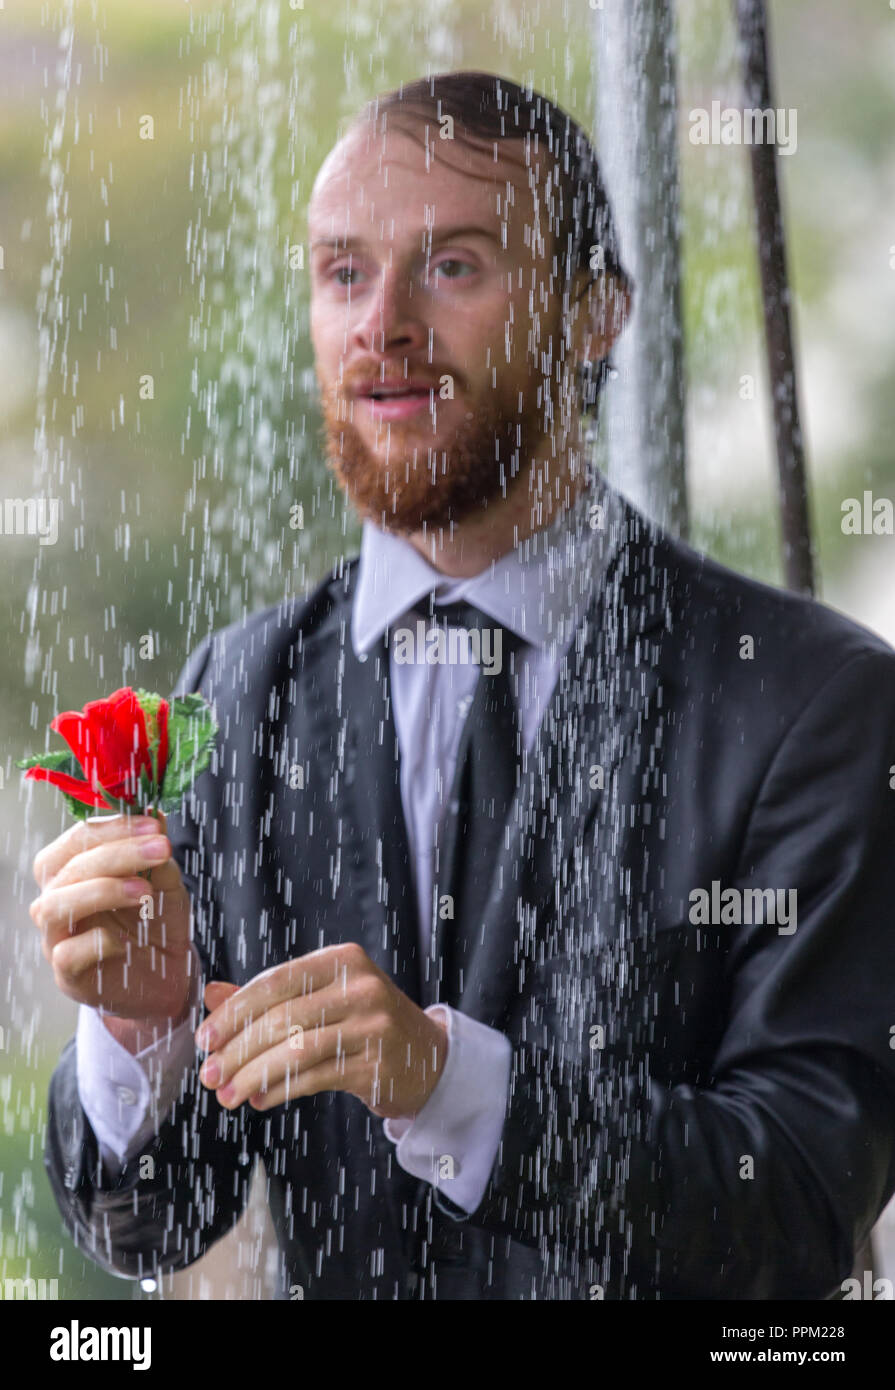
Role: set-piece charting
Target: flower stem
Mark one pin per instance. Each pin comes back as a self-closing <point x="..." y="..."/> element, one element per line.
<point x="150" y="811"/>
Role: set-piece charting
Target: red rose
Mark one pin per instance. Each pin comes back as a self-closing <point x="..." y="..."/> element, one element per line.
<point x="132" y="750"/>
<point x="110" y="741"/>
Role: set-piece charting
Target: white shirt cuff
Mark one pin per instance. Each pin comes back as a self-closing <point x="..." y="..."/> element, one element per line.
<point x="452" y="1142"/>
<point x="125" y="1096"/>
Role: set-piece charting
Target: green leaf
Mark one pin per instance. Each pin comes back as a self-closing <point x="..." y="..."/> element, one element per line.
<point x="192" y="730"/>
<point x="57" y="762"/>
<point x="149" y="703"/>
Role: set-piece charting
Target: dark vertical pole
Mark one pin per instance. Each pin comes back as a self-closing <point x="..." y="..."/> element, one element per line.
<point x="798" y="559"/>
<point x="796" y="527"/>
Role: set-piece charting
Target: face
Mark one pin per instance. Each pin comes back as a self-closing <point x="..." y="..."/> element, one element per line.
<point x="435" y="322"/>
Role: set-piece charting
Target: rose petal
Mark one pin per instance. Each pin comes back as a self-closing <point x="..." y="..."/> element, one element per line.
<point x="81" y="791"/>
<point x="109" y="741"/>
<point x="162" y="756"/>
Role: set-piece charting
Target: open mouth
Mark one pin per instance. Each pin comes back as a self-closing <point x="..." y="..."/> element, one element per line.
<point x="393" y="403"/>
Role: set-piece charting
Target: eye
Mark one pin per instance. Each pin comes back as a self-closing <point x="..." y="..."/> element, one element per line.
<point x="346" y="271"/>
<point x="454" y="269"/>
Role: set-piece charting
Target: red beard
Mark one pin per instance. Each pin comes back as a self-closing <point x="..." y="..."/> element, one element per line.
<point x="421" y="485"/>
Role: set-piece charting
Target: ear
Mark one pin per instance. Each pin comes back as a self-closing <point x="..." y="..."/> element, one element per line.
<point x="600" y="306"/>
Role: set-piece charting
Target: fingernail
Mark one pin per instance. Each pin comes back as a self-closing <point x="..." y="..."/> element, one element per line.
<point x="227" y="1092"/>
<point x="145" y="826"/>
<point x="211" y="1074"/>
<point x="205" y="1038"/>
<point x="156" y="849"/>
<point x="136" y="887"/>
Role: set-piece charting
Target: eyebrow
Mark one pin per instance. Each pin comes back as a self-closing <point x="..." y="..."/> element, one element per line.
<point x="439" y="235"/>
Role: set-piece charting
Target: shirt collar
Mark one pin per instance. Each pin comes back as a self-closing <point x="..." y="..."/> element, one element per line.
<point x="539" y="590"/>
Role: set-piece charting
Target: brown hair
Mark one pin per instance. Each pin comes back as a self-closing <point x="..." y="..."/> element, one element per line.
<point x="486" y="106"/>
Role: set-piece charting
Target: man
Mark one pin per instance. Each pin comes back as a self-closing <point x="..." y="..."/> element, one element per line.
<point x="563" y="975"/>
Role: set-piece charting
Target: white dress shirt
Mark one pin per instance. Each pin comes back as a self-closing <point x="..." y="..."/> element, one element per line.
<point x="539" y="591"/>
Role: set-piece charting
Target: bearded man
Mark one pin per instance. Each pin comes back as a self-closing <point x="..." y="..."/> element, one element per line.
<point x="497" y="990"/>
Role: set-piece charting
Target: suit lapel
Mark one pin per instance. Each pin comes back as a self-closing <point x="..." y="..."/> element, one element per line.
<point x="585" y="765"/>
<point x="356" y="805"/>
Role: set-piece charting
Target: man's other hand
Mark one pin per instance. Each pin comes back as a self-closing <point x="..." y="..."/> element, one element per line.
<point x="328" y="1021"/>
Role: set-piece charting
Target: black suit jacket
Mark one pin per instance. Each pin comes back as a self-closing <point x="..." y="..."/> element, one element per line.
<point x="734" y="1135"/>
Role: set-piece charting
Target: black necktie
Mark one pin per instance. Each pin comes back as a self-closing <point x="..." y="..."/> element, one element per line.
<point x="482" y="792"/>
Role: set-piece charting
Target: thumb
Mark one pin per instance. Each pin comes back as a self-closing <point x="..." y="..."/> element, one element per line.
<point x="218" y="992"/>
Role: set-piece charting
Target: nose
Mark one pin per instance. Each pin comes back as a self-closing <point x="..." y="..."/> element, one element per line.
<point x="389" y="317"/>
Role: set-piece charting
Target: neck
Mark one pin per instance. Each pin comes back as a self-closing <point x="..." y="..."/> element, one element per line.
<point x="530" y="505"/>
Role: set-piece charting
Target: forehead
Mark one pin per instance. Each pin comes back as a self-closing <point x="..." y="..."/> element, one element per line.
<point x="379" y="184"/>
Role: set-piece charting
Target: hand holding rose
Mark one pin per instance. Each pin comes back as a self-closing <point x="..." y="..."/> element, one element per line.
<point x="114" y="939"/>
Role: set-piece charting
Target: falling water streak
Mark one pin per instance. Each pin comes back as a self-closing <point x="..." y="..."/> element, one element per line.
<point x="52" y="328"/>
<point x="17" y="1108"/>
<point x="243" y="333"/>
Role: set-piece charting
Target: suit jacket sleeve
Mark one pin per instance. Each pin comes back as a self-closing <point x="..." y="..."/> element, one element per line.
<point x="761" y="1184"/>
<point x="163" y="1215"/>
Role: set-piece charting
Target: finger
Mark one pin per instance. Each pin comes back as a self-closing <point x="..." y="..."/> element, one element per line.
<point x="217" y="991"/>
<point x="294" y="979"/>
<point x="65" y="907"/>
<point x="328" y="1076"/>
<point x="278" y="1068"/>
<point x="298" y="1024"/>
<point x="84" y="835"/>
<point x="71" y="959"/>
<point x="130" y="855"/>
